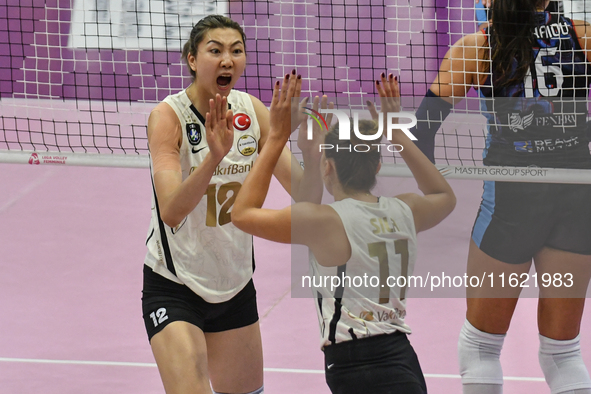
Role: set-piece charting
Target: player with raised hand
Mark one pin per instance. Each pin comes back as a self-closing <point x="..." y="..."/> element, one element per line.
<point x="199" y="300"/>
<point x="362" y="354"/>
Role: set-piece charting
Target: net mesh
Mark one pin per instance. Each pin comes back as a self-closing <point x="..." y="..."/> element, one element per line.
<point x="83" y="75"/>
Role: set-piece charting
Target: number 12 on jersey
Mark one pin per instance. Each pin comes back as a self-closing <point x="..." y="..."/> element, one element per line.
<point x="225" y="197"/>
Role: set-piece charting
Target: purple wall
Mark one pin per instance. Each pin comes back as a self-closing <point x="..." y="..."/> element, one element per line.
<point x="338" y="46"/>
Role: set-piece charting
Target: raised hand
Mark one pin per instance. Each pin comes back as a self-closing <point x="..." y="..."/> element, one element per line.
<point x="219" y="130"/>
<point x="297" y="113"/>
<point x="281" y="106"/>
<point x="389" y="91"/>
<point x="318" y="130"/>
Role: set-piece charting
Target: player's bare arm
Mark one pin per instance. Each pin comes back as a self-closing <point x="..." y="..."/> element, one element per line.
<point x="302" y="185"/>
<point x="583" y="30"/>
<point x="463" y="67"/>
<point x="439" y="199"/>
<point x="177" y="198"/>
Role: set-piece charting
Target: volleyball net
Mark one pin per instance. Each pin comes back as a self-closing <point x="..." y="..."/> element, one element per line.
<point x="78" y="78"/>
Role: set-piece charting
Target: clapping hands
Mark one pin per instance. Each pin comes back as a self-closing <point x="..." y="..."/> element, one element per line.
<point x="219" y="130"/>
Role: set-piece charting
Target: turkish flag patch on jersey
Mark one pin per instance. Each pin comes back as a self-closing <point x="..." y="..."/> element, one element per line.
<point x="241" y="122"/>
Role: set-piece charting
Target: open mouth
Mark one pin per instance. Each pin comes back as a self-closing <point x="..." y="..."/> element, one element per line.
<point x="224" y="81"/>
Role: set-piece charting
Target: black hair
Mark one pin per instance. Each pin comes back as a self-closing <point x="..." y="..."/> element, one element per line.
<point x="203" y="26"/>
<point x="512" y="39"/>
<point x="356" y="168"/>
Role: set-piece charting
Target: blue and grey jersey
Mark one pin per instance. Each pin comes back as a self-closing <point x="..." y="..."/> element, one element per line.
<point x="541" y="120"/>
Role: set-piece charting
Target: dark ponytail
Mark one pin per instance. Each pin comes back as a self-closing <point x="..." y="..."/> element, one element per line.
<point x="512" y="39"/>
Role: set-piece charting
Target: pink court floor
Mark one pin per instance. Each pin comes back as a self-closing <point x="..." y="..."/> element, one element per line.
<point x="71" y="255"/>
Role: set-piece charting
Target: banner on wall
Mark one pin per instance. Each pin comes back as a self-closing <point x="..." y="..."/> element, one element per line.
<point x="137" y="24"/>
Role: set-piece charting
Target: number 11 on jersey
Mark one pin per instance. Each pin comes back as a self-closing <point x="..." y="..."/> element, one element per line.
<point x="380" y="250"/>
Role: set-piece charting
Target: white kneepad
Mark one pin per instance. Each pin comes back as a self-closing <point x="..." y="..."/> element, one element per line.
<point x="563" y="366"/>
<point x="479" y="354"/>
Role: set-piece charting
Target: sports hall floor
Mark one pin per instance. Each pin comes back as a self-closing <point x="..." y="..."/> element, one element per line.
<point x="71" y="254"/>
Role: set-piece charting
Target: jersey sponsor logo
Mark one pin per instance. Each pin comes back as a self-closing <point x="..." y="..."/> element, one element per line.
<point x="242" y="122"/>
<point x="366" y="315"/>
<point x="383" y="316"/>
<point x="546" y="145"/>
<point x="246" y="145"/>
<point x="518" y="122"/>
<point x="553" y="144"/>
<point x="556" y="120"/>
<point x="230" y="169"/>
<point x="523" y="146"/>
<point x="193" y="150"/>
<point x="555" y="30"/>
<point x="194" y="133"/>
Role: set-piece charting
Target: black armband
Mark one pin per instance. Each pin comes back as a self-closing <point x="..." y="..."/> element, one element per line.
<point x="430" y="114"/>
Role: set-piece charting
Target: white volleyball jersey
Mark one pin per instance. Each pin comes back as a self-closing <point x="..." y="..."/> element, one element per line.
<point x="206" y="251"/>
<point x="368" y="300"/>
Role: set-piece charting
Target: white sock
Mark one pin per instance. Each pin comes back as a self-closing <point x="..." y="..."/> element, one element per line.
<point x="563" y="366"/>
<point x="479" y="354"/>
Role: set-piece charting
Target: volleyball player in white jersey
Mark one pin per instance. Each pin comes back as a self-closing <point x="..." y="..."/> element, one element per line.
<point x="199" y="302"/>
<point x="363" y="330"/>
